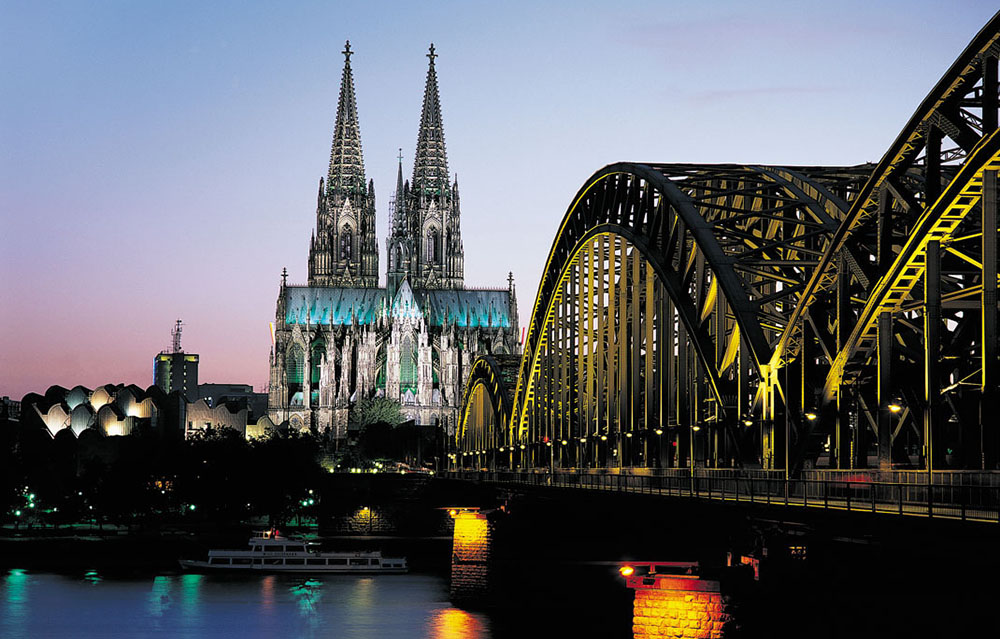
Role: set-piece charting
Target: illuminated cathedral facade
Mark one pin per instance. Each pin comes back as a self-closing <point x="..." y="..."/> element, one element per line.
<point x="342" y="337"/>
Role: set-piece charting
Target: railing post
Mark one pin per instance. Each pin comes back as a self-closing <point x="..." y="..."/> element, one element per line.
<point x="964" y="497"/>
<point x="899" y="492"/>
<point x="930" y="493"/>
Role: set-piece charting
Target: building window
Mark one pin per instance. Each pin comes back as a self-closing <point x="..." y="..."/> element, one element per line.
<point x="407" y="365"/>
<point x="433" y="246"/>
<point x="294" y="365"/>
<point x="346" y="243"/>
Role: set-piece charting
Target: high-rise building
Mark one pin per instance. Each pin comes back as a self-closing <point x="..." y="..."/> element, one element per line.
<point x="341" y="337"/>
<point x="176" y="370"/>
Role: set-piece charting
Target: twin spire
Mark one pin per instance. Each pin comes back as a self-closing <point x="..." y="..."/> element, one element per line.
<point x="430" y="167"/>
<point x="347" y="166"/>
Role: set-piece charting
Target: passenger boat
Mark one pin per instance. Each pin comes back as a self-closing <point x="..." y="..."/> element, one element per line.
<point x="271" y="552"/>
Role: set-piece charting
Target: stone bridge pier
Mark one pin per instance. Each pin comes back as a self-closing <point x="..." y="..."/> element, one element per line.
<point x="472" y="555"/>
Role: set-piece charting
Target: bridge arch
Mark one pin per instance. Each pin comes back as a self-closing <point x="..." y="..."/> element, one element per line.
<point x="753" y="302"/>
<point x="486" y="409"/>
<point x="720" y="251"/>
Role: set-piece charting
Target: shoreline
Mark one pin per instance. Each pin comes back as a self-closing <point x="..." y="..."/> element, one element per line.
<point x="71" y="550"/>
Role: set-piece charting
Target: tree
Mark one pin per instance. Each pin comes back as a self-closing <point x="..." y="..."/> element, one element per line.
<point x="374" y="410"/>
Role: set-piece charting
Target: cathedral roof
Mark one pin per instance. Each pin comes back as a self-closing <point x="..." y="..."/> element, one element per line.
<point x="347" y="165"/>
<point x="332" y="306"/>
<point x="467" y="308"/>
<point x="335" y="306"/>
<point x="405" y="305"/>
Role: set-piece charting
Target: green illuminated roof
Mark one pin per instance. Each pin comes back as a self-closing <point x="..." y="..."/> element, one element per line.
<point x="335" y="306"/>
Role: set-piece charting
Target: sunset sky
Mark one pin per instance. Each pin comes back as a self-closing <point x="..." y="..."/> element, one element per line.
<point x="160" y="160"/>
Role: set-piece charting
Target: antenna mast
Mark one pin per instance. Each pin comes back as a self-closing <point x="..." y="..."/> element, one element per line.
<point x="176" y="334"/>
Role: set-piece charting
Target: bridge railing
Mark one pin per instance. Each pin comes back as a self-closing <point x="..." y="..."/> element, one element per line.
<point x="964" y="496"/>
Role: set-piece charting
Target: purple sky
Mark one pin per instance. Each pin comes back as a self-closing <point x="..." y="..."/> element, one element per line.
<point x="160" y="160"/>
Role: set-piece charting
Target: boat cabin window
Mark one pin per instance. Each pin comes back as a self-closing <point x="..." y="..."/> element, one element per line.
<point x="219" y="560"/>
<point x="359" y="562"/>
<point x="315" y="562"/>
<point x="272" y="561"/>
<point x="258" y="560"/>
<point x="258" y="548"/>
<point x="294" y="561"/>
<point x="241" y="561"/>
<point x="294" y="549"/>
<point x="373" y="562"/>
<point x="338" y="562"/>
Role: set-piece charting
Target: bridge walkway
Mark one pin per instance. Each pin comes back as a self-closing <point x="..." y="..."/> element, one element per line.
<point x="974" y="500"/>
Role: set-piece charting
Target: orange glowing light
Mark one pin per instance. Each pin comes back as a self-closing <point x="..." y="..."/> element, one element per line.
<point x="452" y="512"/>
<point x="626" y="571"/>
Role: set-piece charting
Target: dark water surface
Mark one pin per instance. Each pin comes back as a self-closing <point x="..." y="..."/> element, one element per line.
<point x="36" y="604"/>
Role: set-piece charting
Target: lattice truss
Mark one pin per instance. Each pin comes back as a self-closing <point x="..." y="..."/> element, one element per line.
<point x="772" y="316"/>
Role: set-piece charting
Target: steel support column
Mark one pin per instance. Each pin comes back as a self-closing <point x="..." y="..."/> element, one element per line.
<point x="932" y="350"/>
<point x="884" y="390"/>
<point x="988" y="402"/>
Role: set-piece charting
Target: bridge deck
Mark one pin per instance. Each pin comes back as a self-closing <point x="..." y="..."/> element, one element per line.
<point x="978" y="502"/>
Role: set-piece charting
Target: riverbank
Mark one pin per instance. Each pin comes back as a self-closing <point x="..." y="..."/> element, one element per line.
<point x="119" y="550"/>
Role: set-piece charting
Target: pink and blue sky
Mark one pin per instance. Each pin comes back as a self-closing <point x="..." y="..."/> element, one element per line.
<point x="160" y="160"/>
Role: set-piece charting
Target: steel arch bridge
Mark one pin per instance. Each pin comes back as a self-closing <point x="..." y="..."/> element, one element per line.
<point x="740" y="316"/>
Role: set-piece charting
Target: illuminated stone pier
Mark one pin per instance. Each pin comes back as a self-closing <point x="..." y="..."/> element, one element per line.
<point x="470" y="555"/>
<point x="668" y="604"/>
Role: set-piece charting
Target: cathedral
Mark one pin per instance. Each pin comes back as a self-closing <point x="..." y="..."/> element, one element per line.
<point x="342" y="337"/>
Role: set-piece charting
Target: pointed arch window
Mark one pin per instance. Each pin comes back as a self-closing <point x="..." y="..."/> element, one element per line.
<point x="346" y="243"/>
<point x="407" y="365"/>
<point x="433" y="246"/>
<point x="294" y="370"/>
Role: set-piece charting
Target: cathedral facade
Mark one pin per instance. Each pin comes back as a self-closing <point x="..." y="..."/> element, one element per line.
<point x="342" y="337"/>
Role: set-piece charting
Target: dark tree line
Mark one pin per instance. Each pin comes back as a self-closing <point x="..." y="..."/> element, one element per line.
<point x="144" y="478"/>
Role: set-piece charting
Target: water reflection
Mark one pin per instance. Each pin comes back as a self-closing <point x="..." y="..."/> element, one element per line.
<point x="248" y="606"/>
<point x="362" y="594"/>
<point x="190" y="599"/>
<point x="267" y="593"/>
<point x="159" y="600"/>
<point x="454" y="623"/>
<point x="14" y="597"/>
<point x="91" y="577"/>
<point x="308" y="595"/>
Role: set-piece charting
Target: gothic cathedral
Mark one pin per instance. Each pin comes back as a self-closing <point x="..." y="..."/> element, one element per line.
<point x="342" y="337"/>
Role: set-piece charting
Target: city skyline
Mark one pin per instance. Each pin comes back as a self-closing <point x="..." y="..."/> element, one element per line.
<point x="164" y="167"/>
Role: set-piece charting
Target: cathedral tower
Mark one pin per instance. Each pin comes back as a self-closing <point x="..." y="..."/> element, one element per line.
<point x="426" y="232"/>
<point x="343" y="250"/>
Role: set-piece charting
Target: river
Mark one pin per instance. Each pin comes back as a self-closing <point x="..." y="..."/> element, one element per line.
<point x="37" y="604"/>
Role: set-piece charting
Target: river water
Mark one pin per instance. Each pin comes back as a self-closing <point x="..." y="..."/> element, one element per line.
<point x="34" y="604"/>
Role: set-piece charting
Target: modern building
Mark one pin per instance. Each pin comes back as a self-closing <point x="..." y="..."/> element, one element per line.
<point x="118" y="409"/>
<point x="176" y="370"/>
<point x="341" y="337"/>
<point x="241" y="395"/>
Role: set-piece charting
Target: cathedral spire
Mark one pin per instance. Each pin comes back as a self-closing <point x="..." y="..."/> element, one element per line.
<point x="347" y="166"/>
<point x="430" y="167"/>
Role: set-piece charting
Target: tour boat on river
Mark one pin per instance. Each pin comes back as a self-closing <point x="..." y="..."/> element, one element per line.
<point x="271" y="552"/>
